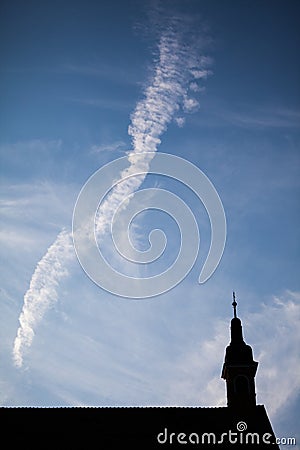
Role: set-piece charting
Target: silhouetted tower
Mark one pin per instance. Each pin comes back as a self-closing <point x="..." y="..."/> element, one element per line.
<point x="239" y="368"/>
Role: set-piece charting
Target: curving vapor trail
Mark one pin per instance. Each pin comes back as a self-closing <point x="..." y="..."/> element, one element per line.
<point x="177" y="74"/>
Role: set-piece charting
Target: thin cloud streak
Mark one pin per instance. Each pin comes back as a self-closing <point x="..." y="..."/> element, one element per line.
<point x="102" y="103"/>
<point x="42" y="292"/>
<point x="112" y="147"/>
<point x="266" y="119"/>
<point x="260" y="118"/>
<point x="167" y="94"/>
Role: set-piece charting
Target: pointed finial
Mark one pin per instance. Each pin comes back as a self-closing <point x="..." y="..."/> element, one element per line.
<point x="234" y="304"/>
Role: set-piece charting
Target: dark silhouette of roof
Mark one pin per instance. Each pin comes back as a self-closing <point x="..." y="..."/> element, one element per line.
<point x="117" y="428"/>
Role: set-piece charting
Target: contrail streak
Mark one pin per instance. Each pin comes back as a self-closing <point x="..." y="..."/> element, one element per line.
<point x="42" y="291"/>
<point x="166" y="95"/>
<point x="176" y="72"/>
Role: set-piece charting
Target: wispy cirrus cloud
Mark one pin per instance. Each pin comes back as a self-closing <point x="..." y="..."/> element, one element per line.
<point x="112" y="147"/>
<point x="101" y="70"/>
<point x="275" y="334"/>
<point x="103" y="103"/>
<point x="261" y="118"/>
<point x="34" y="154"/>
<point x="177" y="64"/>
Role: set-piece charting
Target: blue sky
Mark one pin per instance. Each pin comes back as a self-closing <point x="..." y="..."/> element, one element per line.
<point x="72" y="77"/>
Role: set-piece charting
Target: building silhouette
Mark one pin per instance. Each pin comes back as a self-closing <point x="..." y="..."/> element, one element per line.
<point x="239" y="370"/>
<point x="242" y="424"/>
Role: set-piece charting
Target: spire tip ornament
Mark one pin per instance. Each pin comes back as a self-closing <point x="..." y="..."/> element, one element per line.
<point x="234" y="304"/>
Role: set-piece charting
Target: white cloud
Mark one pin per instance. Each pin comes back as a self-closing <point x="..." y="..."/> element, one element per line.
<point x="42" y="292"/>
<point x="201" y="73"/>
<point x="194" y="87"/>
<point x="180" y="121"/>
<point x="190" y="105"/>
<point x="162" y="98"/>
<point x="165" y="94"/>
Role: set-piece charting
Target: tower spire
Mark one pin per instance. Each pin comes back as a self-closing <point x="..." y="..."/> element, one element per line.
<point x="239" y="368"/>
<point x="234" y="304"/>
